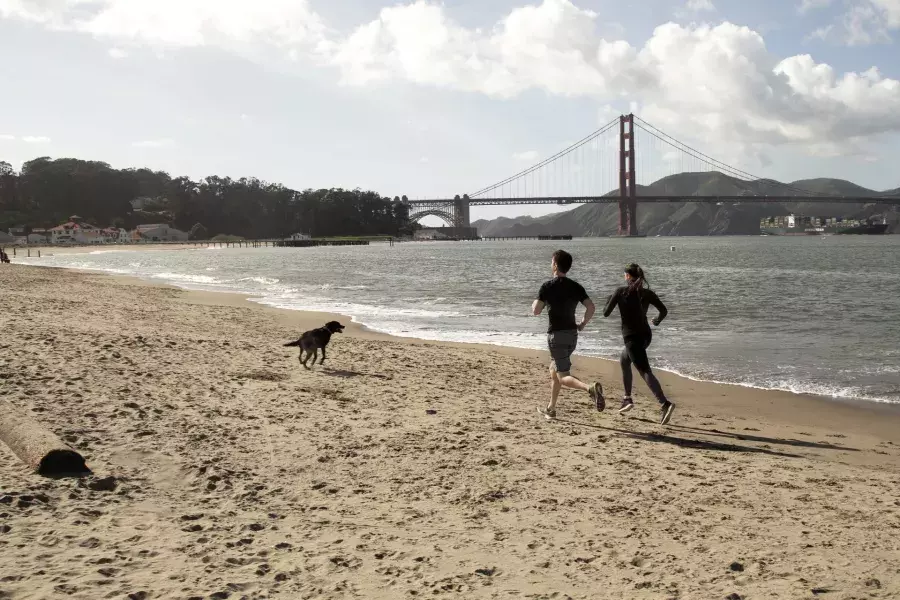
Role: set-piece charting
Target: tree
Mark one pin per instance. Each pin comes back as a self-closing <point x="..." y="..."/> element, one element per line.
<point x="47" y="191"/>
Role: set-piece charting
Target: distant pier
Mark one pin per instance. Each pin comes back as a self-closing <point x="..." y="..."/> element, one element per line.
<point x="514" y="238"/>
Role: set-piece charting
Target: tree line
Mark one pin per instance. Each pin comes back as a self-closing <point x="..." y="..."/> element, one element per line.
<point x="45" y="192"/>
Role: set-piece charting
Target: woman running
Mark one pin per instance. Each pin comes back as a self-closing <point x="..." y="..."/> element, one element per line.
<point x="633" y="299"/>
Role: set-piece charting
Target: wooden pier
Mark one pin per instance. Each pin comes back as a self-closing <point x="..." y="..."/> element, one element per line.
<point x="515" y="238"/>
<point x="310" y="243"/>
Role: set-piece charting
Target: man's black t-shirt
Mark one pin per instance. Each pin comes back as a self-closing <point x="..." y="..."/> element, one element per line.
<point x="562" y="295"/>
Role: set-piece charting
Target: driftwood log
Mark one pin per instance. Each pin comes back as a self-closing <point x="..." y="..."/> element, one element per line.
<point x="42" y="451"/>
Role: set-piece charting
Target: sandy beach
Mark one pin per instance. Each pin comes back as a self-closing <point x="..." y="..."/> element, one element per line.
<point x="409" y="469"/>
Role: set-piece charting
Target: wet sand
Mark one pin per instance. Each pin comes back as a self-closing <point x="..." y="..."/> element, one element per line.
<point x="405" y="469"/>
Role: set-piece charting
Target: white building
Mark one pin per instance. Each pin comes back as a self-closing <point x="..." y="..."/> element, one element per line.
<point x="300" y="236"/>
<point x="39" y="236"/>
<point x="76" y="231"/>
<point x="159" y="232"/>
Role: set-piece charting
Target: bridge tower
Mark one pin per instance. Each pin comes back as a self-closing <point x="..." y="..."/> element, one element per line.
<point x="627" y="178"/>
<point x="461" y="211"/>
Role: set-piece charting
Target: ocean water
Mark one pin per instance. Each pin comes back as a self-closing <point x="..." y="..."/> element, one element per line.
<point x="816" y="315"/>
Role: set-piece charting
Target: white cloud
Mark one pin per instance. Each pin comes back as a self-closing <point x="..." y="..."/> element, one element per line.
<point x="117" y="53"/>
<point x="891" y="10"/>
<point x="864" y="22"/>
<point x="177" y="23"/>
<point x="809" y="5"/>
<point x="7" y="137"/>
<point x="822" y="33"/>
<point x="527" y="156"/>
<point x="161" y="143"/>
<point x="716" y="82"/>
<point x="700" y="5"/>
<point x="35" y="139"/>
<point x="424" y="160"/>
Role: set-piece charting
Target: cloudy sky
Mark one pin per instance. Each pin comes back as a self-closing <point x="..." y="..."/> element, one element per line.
<point x="431" y="99"/>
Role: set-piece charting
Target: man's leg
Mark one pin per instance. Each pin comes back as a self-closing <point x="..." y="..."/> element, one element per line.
<point x="562" y="345"/>
<point x="555" y="386"/>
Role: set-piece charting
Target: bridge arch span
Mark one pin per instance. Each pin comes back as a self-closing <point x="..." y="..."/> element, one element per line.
<point x="443" y="215"/>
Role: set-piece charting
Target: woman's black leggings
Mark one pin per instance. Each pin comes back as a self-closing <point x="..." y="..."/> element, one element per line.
<point x="635" y="353"/>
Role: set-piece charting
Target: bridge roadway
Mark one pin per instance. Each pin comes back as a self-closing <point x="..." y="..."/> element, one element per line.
<point x="889" y="200"/>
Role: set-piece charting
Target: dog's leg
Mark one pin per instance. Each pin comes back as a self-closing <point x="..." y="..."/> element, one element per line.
<point x="304" y="361"/>
<point x="323" y="355"/>
<point x="315" y="355"/>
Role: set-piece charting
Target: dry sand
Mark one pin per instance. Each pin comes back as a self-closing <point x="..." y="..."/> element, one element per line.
<point x="405" y="469"/>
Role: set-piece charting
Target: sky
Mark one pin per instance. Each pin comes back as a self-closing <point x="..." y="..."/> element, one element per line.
<point x="433" y="99"/>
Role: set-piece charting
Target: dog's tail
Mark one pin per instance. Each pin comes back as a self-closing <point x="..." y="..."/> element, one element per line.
<point x="297" y="343"/>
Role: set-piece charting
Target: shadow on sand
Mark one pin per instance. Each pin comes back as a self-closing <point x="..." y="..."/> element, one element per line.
<point x="756" y="438"/>
<point x="345" y="374"/>
<point x="682" y="442"/>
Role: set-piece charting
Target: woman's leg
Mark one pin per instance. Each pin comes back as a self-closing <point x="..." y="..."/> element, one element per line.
<point x="627" y="377"/>
<point x="637" y="352"/>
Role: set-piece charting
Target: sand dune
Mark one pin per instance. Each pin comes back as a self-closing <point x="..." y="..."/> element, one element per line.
<point x="406" y="469"/>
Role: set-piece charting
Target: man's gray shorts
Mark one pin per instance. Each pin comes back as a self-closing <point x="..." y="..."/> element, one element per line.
<point x="562" y="345"/>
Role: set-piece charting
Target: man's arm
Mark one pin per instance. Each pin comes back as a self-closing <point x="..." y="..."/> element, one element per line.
<point x="658" y="304"/>
<point x="538" y="305"/>
<point x="611" y="303"/>
<point x="589" y="309"/>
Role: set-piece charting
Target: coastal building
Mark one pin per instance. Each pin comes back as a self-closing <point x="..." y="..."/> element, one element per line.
<point x="38" y="236"/>
<point x="300" y="236"/>
<point x="159" y="232"/>
<point x="76" y="231"/>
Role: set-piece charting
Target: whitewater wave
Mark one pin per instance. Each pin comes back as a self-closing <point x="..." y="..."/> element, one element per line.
<point x="791" y="385"/>
<point x="185" y="278"/>
<point x="261" y="280"/>
<point x="440" y="319"/>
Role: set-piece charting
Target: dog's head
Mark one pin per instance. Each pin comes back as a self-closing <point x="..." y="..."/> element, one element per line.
<point x="334" y="327"/>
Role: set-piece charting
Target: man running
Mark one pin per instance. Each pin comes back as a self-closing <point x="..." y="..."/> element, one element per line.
<point x="562" y="295"/>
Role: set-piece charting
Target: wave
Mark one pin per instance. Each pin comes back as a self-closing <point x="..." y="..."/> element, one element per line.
<point x="262" y="280"/>
<point x="791" y="385"/>
<point x="185" y="278"/>
<point x="432" y="319"/>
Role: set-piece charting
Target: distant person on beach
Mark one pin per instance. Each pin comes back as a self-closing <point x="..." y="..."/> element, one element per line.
<point x="633" y="299"/>
<point x="4" y="257"/>
<point x="562" y="295"/>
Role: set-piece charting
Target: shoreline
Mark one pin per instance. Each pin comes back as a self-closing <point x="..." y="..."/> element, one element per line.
<point x="800" y="409"/>
<point x="407" y="468"/>
<point x="882" y="406"/>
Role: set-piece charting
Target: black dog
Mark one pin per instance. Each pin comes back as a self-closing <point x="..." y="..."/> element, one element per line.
<point x="312" y="340"/>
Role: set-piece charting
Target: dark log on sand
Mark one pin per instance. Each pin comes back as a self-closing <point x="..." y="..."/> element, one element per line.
<point x="36" y="447"/>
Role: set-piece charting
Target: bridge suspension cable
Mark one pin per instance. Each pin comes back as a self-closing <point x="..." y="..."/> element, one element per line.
<point x="559" y="155"/>
<point x="726" y="169"/>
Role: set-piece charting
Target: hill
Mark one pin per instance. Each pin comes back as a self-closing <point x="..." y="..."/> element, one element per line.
<point x="686" y="218"/>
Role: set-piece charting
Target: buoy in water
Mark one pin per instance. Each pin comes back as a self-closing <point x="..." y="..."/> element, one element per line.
<point x="672" y="248"/>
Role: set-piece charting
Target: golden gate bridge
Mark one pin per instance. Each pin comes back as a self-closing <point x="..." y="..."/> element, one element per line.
<point x="603" y="168"/>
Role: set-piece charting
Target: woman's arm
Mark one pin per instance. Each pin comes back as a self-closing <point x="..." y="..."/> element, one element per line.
<point x="658" y="304"/>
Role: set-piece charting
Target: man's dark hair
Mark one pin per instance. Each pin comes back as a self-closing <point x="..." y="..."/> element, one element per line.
<point x="563" y="261"/>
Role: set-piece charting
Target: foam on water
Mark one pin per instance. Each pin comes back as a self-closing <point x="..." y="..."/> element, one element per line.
<point x="770" y="342"/>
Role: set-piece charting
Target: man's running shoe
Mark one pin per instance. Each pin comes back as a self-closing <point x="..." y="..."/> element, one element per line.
<point x="549" y="413"/>
<point x="596" y="392"/>
<point x="666" y="413"/>
<point x="627" y="405"/>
